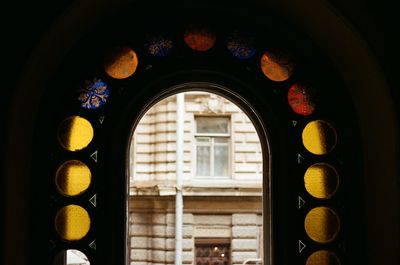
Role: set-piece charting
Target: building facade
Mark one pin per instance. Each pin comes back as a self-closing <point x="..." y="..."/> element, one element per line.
<point x="222" y="184"/>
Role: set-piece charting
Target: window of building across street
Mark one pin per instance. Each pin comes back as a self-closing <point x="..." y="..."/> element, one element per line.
<point x="212" y="146"/>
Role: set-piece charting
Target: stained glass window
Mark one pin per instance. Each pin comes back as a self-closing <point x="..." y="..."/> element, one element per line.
<point x="211" y="147"/>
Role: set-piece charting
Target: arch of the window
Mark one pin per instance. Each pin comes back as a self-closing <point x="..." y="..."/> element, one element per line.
<point x="261" y="130"/>
<point x="325" y="25"/>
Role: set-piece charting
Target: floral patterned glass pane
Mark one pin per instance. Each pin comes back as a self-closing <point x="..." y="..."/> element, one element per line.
<point x="241" y="46"/>
<point x="159" y="46"/>
<point x="94" y="94"/>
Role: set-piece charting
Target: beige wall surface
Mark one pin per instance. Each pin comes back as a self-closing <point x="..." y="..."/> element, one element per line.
<point x="153" y="146"/>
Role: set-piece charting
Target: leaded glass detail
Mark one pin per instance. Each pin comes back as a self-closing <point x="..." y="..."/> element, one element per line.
<point x="94" y="94"/>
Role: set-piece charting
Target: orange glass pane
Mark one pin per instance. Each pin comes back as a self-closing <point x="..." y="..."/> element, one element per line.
<point x="199" y="39"/>
<point x="277" y="64"/>
<point x="120" y="62"/>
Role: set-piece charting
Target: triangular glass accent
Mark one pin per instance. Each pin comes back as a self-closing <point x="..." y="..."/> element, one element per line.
<point x="299" y="159"/>
<point x="93" y="245"/>
<point x="302" y="246"/>
<point x="53" y="200"/>
<point x="52" y="245"/>
<point x="301" y="202"/>
<point x="93" y="200"/>
<point x="94" y="156"/>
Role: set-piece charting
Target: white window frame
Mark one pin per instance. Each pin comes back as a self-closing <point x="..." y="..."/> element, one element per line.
<point x="212" y="137"/>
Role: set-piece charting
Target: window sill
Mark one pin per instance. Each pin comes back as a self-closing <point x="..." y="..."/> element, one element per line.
<point x="199" y="187"/>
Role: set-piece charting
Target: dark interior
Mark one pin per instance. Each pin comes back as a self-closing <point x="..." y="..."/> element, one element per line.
<point x="345" y="50"/>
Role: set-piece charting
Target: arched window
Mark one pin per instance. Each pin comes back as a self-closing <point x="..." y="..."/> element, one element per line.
<point x="196" y="181"/>
<point x="299" y="104"/>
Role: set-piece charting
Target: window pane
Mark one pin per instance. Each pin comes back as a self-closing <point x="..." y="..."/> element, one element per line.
<point x="221" y="160"/>
<point x="212" y="125"/>
<point x="221" y="140"/>
<point x="203" y="140"/>
<point x="211" y="253"/>
<point x="203" y="161"/>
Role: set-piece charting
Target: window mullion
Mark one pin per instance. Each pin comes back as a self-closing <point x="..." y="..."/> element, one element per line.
<point x="212" y="157"/>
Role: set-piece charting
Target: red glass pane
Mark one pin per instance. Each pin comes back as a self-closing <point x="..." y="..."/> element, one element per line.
<point x="199" y="39"/>
<point x="300" y="98"/>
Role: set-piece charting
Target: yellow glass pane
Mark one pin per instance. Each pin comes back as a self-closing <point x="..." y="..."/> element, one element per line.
<point x="322" y="224"/>
<point x="321" y="181"/>
<point x="323" y="257"/>
<point x="277" y="65"/>
<point x="121" y="62"/>
<point x="73" y="178"/>
<point x="319" y="137"/>
<point x="72" y="222"/>
<point x="75" y="133"/>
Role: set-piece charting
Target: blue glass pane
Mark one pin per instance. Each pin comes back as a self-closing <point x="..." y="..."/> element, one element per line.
<point x="159" y="46"/>
<point x="94" y="94"/>
<point x="241" y="46"/>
